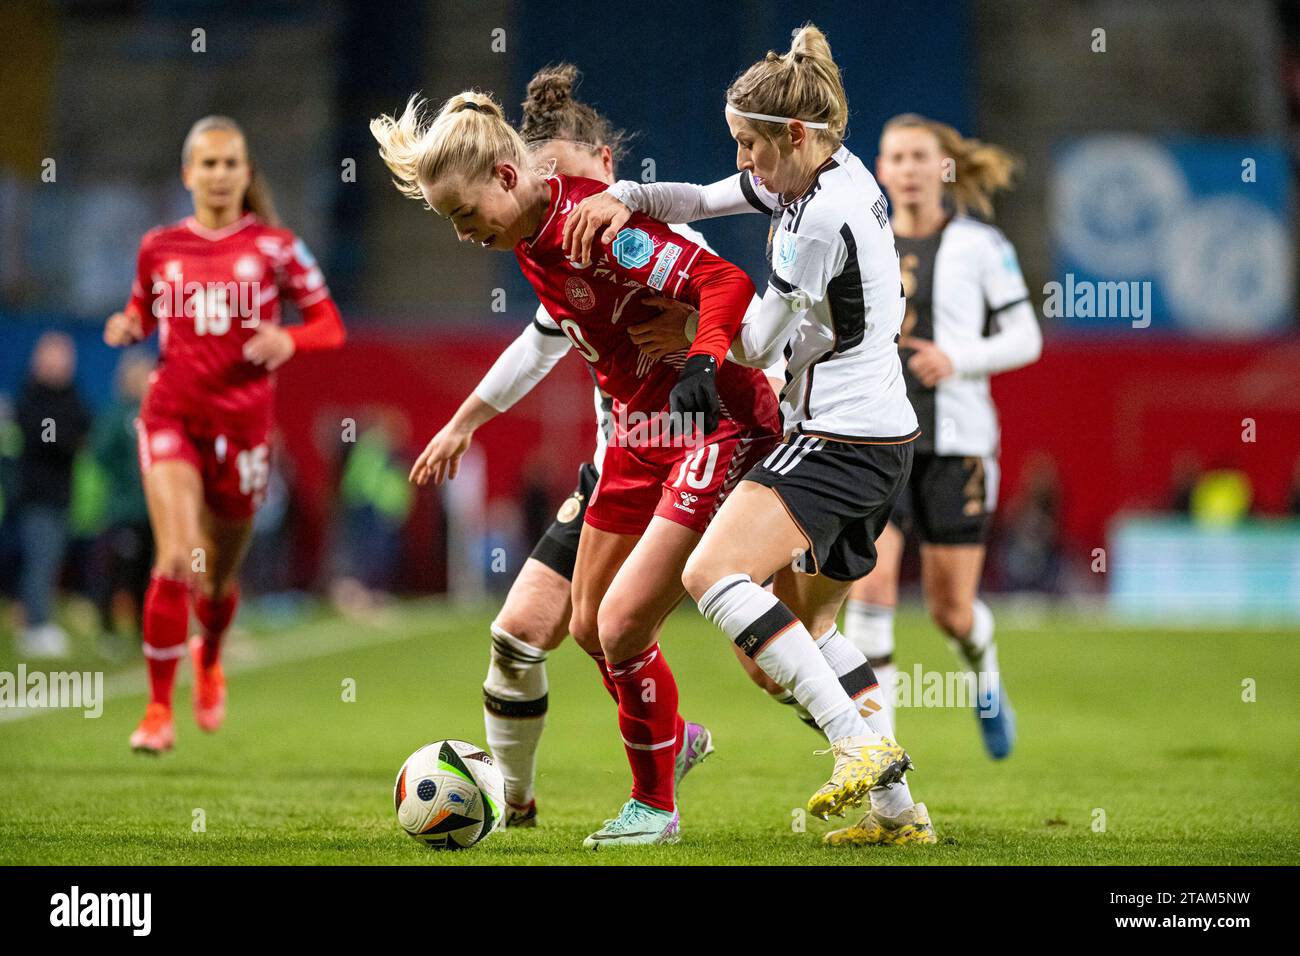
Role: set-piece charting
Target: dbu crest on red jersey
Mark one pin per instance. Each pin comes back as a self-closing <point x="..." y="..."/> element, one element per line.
<point x="164" y="444"/>
<point x="580" y="294"/>
<point x="247" y="268"/>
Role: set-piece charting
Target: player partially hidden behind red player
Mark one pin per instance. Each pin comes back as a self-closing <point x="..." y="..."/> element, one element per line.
<point x="211" y="285"/>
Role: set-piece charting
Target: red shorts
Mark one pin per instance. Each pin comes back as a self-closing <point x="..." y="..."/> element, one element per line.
<point x="234" y="464"/>
<point x="685" y="485"/>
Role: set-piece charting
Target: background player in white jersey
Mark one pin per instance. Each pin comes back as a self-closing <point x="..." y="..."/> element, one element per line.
<point x="576" y="140"/>
<point x="968" y="317"/>
<point x="833" y="307"/>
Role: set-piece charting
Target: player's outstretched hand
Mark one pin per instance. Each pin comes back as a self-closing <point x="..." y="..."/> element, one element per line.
<point x="666" y="332"/>
<point x="123" y="329"/>
<point x="696" y="393"/>
<point x="601" y="211"/>
<point x="441" y="457"/>
<point x="270" y="345"/>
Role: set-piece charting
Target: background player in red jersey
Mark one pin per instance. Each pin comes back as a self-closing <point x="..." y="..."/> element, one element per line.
<point x="211" y="285"/>
<point x="655" y="495"/>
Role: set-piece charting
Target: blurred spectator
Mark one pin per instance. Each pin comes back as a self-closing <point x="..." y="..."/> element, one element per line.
<point x="1031" y="557"/>
<point x="1186" y="472"/>
<point x="376" y="500"/>
<point x="11" y="446"/>
<point x="1221" y="497"/>
<point x="83" y="563"/>
<point x="127" y="541"/>
<point x="54" y="423"/>
<point x="267" y="570"/>
<point x="504" y="544"/>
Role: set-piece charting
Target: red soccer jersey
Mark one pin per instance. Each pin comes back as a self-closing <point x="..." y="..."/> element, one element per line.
<point x="207" y="291"/>
<point x="596" y="304"/>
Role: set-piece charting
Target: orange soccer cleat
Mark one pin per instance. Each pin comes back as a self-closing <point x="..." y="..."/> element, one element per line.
<point x="209" y="690"/>
<point x="156" y="733"/>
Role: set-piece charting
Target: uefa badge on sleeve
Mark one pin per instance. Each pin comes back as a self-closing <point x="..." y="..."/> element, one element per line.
<point x="787" y="252"/>
<point x="632" y="248"/>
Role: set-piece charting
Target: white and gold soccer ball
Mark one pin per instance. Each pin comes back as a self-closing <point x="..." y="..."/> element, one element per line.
<point x="449" y="795"/>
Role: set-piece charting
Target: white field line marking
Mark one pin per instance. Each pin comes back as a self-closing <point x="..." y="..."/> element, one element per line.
<point x="311" y="641"/>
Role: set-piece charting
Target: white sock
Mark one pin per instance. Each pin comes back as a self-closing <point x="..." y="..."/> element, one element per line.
<point x="788" y="699"/>
<point x="514" y="711"/>
<point x="980" y="652"/>
<point x="871" y="629"/>
<point x="856" y="678"/>
<point x="778" y="643"/>
<point x="850" y="663"/>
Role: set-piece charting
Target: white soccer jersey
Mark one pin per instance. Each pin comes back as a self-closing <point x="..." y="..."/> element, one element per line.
<point x="966" y="294"/>
<point x="833" y="304"/>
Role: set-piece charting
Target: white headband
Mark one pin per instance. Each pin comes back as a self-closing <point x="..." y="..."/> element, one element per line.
<point x="776" y="119"/>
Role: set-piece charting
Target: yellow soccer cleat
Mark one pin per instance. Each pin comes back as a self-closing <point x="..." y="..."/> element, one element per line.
<point x="910" y="826"/>
<point x="861" y="763"/>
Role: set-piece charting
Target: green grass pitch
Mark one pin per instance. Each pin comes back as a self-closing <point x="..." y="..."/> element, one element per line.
<point x="1147" y="727"/>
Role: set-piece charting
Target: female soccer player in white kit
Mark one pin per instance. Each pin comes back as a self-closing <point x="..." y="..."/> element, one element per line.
<point x="968" y="317"/>
<point x="834" y="307"/>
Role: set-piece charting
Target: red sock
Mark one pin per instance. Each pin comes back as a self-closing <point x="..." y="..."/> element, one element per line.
<point x="215" y="614"/>
<point x="604" y="676"/>
<point x="647" y="718"/>
<point x="166" y="618"/>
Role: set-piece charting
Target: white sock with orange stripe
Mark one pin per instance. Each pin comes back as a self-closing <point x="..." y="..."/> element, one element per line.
<point x="856" y="676"/>
<point x="766" y="630"/>
<point x="871" y="629"/>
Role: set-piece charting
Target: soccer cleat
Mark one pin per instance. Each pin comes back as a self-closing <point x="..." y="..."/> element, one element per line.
<point x="697" y="744"/>
<point x="637" y="824"/>
<point x="910" y="826"/>
<point x="997" y="724"/>
<point x="156" y="733"/>
<point x="209" y="690"/>
<point x="520" y="818"/>
<point x="861" y="763"/>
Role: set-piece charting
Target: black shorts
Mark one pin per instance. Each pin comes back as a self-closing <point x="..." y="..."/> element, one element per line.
<point x="949" y="499"/>
<point x="840" y="494"/>
<point x="558" y="547"/>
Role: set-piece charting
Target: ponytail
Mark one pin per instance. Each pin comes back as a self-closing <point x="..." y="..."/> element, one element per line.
<point x="258" y="200"/>
<point x="803" y="83"/>
<point x="552" y="112"/>
<point x="468" y="136"/>
<point x="981" y="169"/>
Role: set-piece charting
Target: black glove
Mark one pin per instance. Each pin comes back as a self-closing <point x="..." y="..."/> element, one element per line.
<point x="696" y="392"/>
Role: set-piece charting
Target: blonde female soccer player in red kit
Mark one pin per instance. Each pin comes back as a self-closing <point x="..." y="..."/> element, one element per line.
<point x="211" y="286"/>
<point x="567" y="136"/>
<point x="657" y="491"/>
